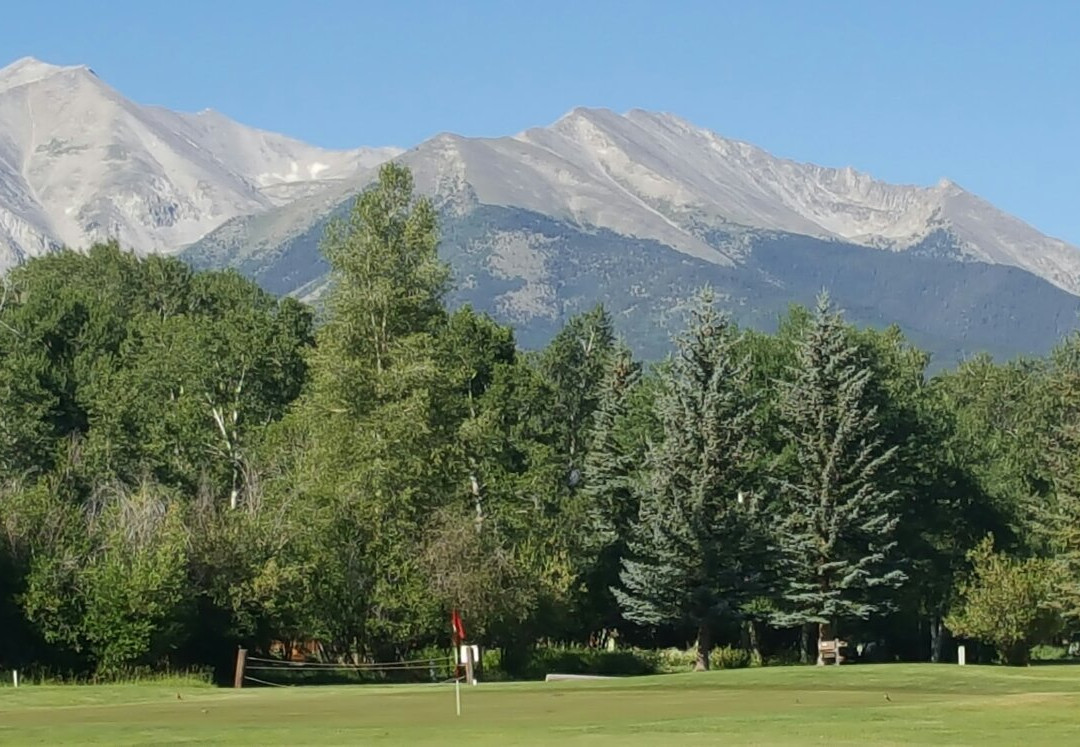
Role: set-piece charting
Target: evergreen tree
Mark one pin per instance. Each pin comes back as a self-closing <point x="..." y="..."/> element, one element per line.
<point x="1056" y="517"/>
<point x="574" y="364"/>
<point x="694" y="553"/>
<point x="609" y="493"/>
<point x="613" y="458"/>
<point x="837" y="524"/>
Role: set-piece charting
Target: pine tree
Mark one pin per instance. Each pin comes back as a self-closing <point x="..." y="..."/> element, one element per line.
<point x="573" y="364"/>
<point x="611" y="461"/>
<point x="608" y="493"/>
<point x="693" y="554"/>
<point x="1056" y="517"/>
<point x="836" y="524"/>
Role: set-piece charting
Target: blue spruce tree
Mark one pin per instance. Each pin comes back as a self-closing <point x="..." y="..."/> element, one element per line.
<point x="694" y="553"/>
<point x="836" y="533"/>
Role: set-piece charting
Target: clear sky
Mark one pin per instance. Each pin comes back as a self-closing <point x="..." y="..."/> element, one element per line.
<point x="986" y="93"/>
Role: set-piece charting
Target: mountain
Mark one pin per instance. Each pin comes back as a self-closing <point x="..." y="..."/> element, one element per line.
<point x="656" y="176"/>
<point x="80" y="163"/>
<point x="634" y="210"/>
<point x="637" y="210"/>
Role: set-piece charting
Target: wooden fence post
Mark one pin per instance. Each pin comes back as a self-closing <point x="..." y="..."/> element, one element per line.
<point x="241" y="660"/>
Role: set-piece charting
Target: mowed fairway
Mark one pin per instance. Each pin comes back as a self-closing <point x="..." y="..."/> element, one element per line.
<point x="927" y="704"/>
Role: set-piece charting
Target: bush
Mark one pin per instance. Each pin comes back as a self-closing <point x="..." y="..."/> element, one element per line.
<point x="588" y="661"/>
<point x="670" y="660"/>
<point x="785" y="657"/>
<point x="544" y="660"/>
<point x="729" y="657"/>
<point x="491" y="665"/>
<point x="1007" y="602"/>
<point x="1050" y="653"/>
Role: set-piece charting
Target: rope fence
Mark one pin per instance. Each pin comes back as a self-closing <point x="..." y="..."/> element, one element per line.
<point x="286" y="673"/>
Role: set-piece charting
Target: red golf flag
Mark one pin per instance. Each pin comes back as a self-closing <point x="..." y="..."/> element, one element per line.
<point x="458" y="627"/>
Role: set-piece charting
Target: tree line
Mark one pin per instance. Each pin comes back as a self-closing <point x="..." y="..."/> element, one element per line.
<point x="188" y="464"/>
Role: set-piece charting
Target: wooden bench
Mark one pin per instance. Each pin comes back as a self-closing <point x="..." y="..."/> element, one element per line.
<point x="831" y="649"/>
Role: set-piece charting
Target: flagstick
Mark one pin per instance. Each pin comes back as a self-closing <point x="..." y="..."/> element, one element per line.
<point x="457" y="637"/>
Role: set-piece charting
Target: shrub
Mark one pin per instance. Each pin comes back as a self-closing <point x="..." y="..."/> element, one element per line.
<point x="540" y="661"/>
<point x="785" y="657"/>
<point x="671" y="660"/>
<point x="729" y="657"/>
<point x="1007" y="602"/>
<point x="1050" y="653"/>
<point x="491" y="665"/>
<point x="543" y="660"/>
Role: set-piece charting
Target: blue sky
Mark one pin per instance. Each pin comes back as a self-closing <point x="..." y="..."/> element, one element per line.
<point x="985" y="93"/>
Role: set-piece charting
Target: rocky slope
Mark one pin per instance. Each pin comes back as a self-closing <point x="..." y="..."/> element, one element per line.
<point x="634" y="210"/>
<point x="81" y="163"/>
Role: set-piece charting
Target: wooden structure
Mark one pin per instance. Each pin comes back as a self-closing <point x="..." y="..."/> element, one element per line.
<point x="298" y="651"/>
<point x="831" y="649"/>
<point x="241" y="662"/>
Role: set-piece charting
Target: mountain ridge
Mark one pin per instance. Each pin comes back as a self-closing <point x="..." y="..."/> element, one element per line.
<point x="80" y="163"/>
<point x="550" y="220"/>
<point x="643" y="174"/>
<point x="595" y="206"/>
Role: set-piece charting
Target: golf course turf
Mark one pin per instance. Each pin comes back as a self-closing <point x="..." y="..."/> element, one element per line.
<point x="863" y="704"/>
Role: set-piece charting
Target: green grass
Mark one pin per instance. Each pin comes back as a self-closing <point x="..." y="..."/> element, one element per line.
<point x="927" y="704"/>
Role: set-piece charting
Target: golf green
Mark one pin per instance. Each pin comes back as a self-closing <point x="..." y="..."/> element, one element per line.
<point x="864" y="704"/>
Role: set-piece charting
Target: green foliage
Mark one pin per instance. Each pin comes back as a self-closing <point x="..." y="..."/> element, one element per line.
<point x="470" y="567"/>
<point x="543" y="660"/>
<point x="187" y="464"/>
<point x="1048" y="653"/>
<point x="1008" y="602"/>
<point x="46" y="545"/>
<point x="1056" y="513"/>
<point x="575" y="363"/>
<point x="136" y="589"/>
<point x="673" y="660"/>
<point x="611" y="492"/>
<point x="387" y="282"/>
<point x="379" y="427"/>
<point x="695" y="554"/>
<point x="153" y="369"/>
<point x="615" y="454"/>
<point x="546" y="659"/>
<point x="729" y="657"/>
<point x="837" y="523"/>
<point x="119" y="591"/>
